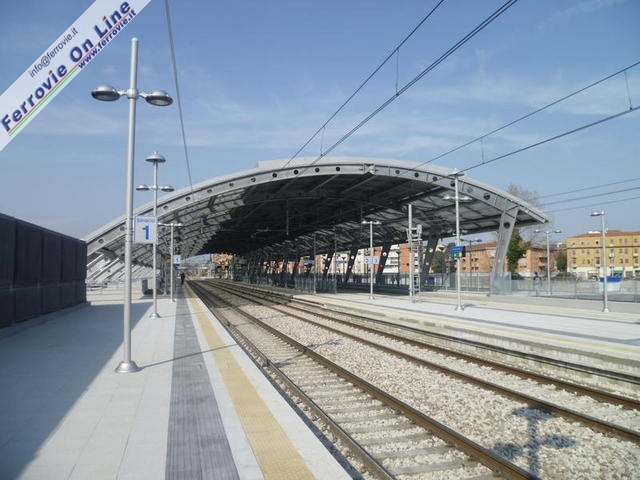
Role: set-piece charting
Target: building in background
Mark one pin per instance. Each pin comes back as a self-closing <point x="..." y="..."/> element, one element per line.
<point x="584" y="254"/>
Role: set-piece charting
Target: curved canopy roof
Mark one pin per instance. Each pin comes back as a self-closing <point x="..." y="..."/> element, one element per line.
<point x="281" y="205"/>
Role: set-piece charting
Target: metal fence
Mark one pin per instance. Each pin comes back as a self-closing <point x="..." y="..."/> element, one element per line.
<point x="626" y="290"/>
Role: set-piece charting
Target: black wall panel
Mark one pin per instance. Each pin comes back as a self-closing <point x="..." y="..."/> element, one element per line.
<point x="28" y="257"/>
<point x="51" y="257"/>
<point x="41" y="271"/>
<point x="80" y="292"/>
<point x="68" y="259"/>
<point x="7" y="310"/>
<point x="7" y="249"/>
<point x="67" y="295"/>
<point x="81" y="260"/>
<point x="50" y="298"/>
<point x="27" y="303"/>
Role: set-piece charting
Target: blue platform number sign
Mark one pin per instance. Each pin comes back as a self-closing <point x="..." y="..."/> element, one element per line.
<point x="145" y="230"/>
<point x="458" y="252"/>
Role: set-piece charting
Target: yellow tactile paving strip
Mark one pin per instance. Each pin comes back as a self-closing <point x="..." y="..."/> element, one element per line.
<point x="276" y="455"/>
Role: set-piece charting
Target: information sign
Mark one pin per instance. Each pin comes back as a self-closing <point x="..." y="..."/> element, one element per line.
<point x="177" y="259"/>
<point x="368" y="258"/>
<point x="458" y="252"/>
<point x="145" y="230"/>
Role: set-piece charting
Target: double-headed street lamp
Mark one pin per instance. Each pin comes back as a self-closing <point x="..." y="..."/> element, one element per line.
<point x="457" y="198"/>
<point x="547" y="233"/>
<point x="371" y="224"/>
<point x="172" y="225"/>
<point x="155" y="158"/>
<point x="159" y="98"/>
<point x="605" y="302"/>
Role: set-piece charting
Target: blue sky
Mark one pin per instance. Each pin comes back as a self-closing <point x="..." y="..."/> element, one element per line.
<point x="258" y="78"/>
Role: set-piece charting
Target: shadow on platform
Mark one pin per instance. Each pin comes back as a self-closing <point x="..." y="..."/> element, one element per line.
<point x="46" y="368"/>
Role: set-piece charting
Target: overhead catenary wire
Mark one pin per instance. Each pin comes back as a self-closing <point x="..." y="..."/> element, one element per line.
<point x="586" y="189"/>
<point x="178" y="97"/>
<point x="538" y="110"/>
<point x="592" y="195"/>
<point x="551" y="139"/>
<point x="395" y="51"/>
<point x="580" y="207"/>
<point x="418" y="77"/>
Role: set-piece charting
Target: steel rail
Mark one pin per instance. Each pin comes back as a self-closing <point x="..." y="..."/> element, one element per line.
<point x="565" y="412"/>
<point x="485" y="456"/>
<point x="370" y="463"/>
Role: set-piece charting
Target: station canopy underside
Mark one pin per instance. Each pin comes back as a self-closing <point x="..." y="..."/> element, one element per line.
<point x="279" y="208"/>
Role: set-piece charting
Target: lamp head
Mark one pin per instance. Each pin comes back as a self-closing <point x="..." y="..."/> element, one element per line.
<point x="167" y="188"/>
<point x="159" y="98"/>
<point x="597" y="214"/>
<point x="142" y="188"/>
<point x="155" y="157"/>
<point x="105" y="93"/>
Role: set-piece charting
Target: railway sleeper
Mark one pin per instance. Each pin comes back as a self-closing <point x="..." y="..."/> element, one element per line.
<point x="334" y="393"/>
<point x="434" y="467"/>
<point x="358" y="405"/>
<point x="415" y="452"/>
<point x="350" y="418"/>
<point x="416" y="437"/>
<point x="377" y="428"/>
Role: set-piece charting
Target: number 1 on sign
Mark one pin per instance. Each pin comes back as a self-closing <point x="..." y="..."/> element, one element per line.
<point x="146" y="232"/>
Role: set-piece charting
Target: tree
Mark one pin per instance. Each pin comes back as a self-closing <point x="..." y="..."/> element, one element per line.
<point x="561" y="260"/>
<point x="517" y="247"/>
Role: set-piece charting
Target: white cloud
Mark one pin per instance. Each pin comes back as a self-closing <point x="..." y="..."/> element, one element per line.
<point x="588" y="6"/>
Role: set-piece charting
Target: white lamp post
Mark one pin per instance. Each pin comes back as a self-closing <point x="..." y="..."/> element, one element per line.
<point x="371" y="224"/>
<point x="159" y="98"/>
<point x="605" y="300"/>
<point x="457" y="198"/>
<point x="155" y="158"/>
<point x="171" y="275"/>
<point x="547" y="232"/>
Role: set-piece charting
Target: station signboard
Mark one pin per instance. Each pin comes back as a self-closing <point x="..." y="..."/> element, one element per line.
<point x="145" y="230"/>
<point x="458" y="251"/>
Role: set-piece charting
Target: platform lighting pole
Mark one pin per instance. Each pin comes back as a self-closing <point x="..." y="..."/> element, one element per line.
<point x="171" y="275"/>
<point x="605" y="300"/>
<point x="159" y="98"/>
<point x="547" y="233"/>
<point x="155" y="158"/>
<point x="371" y="224"/>
<point x="457" y="198"/>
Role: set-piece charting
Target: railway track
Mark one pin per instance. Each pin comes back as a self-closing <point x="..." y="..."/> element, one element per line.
<point x="400" y="436"/>
<point x="580" y="376"/>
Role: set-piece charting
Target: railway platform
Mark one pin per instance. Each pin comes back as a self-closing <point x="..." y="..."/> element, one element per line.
<point x="566" y="324"/>
<point x="198" y="409"/>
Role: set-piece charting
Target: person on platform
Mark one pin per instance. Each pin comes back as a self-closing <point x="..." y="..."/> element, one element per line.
<point x="182" y="278"/>
<point x="536" y="284"/>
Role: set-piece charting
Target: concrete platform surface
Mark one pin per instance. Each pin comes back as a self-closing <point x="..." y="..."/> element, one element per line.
<point x="575" y="324"/>
<point x="65" y="413"/>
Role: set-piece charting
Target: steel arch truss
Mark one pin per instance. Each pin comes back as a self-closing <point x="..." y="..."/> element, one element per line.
<point x="277" y="208"/>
